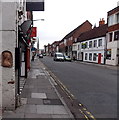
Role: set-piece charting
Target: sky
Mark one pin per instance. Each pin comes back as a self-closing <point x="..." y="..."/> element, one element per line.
<point x="62" y="16"/>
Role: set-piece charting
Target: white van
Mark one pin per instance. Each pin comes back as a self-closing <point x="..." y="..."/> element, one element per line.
<point x="58" y="56"/>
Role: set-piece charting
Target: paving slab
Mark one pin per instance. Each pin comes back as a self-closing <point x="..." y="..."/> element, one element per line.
<point x="31" y="109"/>
<point x="11" y="114"/>
<point x="34" y="115"/>
<point x="38" y="95"/>
<point x="35" y="101"/>
<point x="51" y="109"/>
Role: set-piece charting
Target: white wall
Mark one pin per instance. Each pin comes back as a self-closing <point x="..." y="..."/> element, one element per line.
<point x="0" y="60"/>
<point x="100" y="51"/>
<point x="8" y="34"/>
<point x="113" y="46"/>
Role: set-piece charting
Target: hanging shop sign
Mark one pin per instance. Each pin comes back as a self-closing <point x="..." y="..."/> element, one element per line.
<point x="33" y="32"/>
<point x="35" y="5"/>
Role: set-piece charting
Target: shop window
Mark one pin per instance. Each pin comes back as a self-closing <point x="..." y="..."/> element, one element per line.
<point x="86" y="56"/>
<point x="99" y="42"/>
<point x="90" y="44"/>
<point x="116" y="35"/>
<point x="90" y="56"/>
<point x="95" y="43"/>
<point x="94" y="56"/>
<point x="108" y="54"/>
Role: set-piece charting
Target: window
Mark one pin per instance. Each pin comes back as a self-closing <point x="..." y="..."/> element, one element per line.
<point x="90" y="56"/>
<point x="100" y="42"/>
<point x="86" y="55"/>
<point x="116" y="35"/>
<point x="90" y="44"/>
<point x="110" y="37"/>
<point x="95" y="43"/>
<point x="83" y="45"/>
<point x="110" y="20"/>
<point x="108" y="54"/>
<point x="94" y="56"/>
<point x="118" y="18"/>
<point x="86" y="45"/>
<point x="78" y="47"/>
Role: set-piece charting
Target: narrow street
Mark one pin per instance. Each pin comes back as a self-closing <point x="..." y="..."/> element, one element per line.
<point x="93" y="86"/>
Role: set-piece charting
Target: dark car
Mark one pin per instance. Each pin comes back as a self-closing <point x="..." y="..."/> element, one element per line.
<point x="40" y="56"/>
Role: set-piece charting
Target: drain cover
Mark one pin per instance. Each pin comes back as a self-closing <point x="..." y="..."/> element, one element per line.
<point x="52" y="102"/>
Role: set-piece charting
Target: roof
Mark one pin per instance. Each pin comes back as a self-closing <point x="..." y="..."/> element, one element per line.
<point x="71" y="33"/>
<point x="94" y="33"/>
<point x="113" y="11"/>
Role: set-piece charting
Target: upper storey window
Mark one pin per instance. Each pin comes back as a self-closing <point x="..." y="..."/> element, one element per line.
<point x="117" y="17"/>
<point x="110" y="20"/>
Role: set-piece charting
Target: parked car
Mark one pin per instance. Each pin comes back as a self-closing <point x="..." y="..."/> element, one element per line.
<point x="44" y="54"/>
<point x="67" y="58"/>
<point x="40" y="56"/>
<point x="58" y="56"/>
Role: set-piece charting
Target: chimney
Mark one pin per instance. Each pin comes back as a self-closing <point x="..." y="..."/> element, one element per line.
<point x="117" y="3"/>
<point x="101" y="22"/>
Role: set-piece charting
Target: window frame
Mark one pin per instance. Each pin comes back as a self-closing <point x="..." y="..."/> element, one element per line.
<point x="90" y="44"/>
<point x="95" y="43"/>
<point x="95" y="56"/>
<point x="108" y="54"/>
<point x="90" y="56"/>
<point x="110" y="37"/>
<point x="86" y="56"/>
<point x="116" y="38"/>
<point x="99" y="43"/>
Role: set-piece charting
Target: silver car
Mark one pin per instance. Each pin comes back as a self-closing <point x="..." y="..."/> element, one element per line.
<point x="58" y="56"/>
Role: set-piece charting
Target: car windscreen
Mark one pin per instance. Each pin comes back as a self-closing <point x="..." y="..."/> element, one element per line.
<point x="59" y="55"/>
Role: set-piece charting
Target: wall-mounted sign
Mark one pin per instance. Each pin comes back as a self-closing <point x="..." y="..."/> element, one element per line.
<point x="35" y="5"/>
<point x="7" y="59"/>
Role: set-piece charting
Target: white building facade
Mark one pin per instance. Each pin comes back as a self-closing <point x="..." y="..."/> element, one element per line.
<point x="93" y="50"/>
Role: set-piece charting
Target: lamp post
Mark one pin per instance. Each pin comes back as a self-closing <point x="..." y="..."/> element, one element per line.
<point x="37" y="39"/>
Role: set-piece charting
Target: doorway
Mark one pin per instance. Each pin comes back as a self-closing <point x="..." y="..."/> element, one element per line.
<point x="99" y="58"/>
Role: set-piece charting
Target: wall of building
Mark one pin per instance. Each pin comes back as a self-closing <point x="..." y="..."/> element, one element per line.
<point x="0" y="60"/>
<point x="8" y="43"/>
<point x="114" y="47"/>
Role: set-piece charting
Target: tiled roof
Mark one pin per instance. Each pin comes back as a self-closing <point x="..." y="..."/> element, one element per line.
<point x="71" y="33"/>
<point x="113" y="11"/>
<point x="94" y="33"/>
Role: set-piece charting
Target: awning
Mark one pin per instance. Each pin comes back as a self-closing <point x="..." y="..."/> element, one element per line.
<point x="25" y="26"/>
<point x="24" y="33"/>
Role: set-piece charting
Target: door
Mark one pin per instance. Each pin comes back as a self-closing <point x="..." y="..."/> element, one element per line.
<point x="99" y="58"/>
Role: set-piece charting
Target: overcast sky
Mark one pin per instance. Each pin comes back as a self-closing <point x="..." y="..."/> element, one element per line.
<point x="62" y="16"/>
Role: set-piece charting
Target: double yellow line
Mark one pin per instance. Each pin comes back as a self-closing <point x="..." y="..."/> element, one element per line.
<point x="84" y="111"/>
